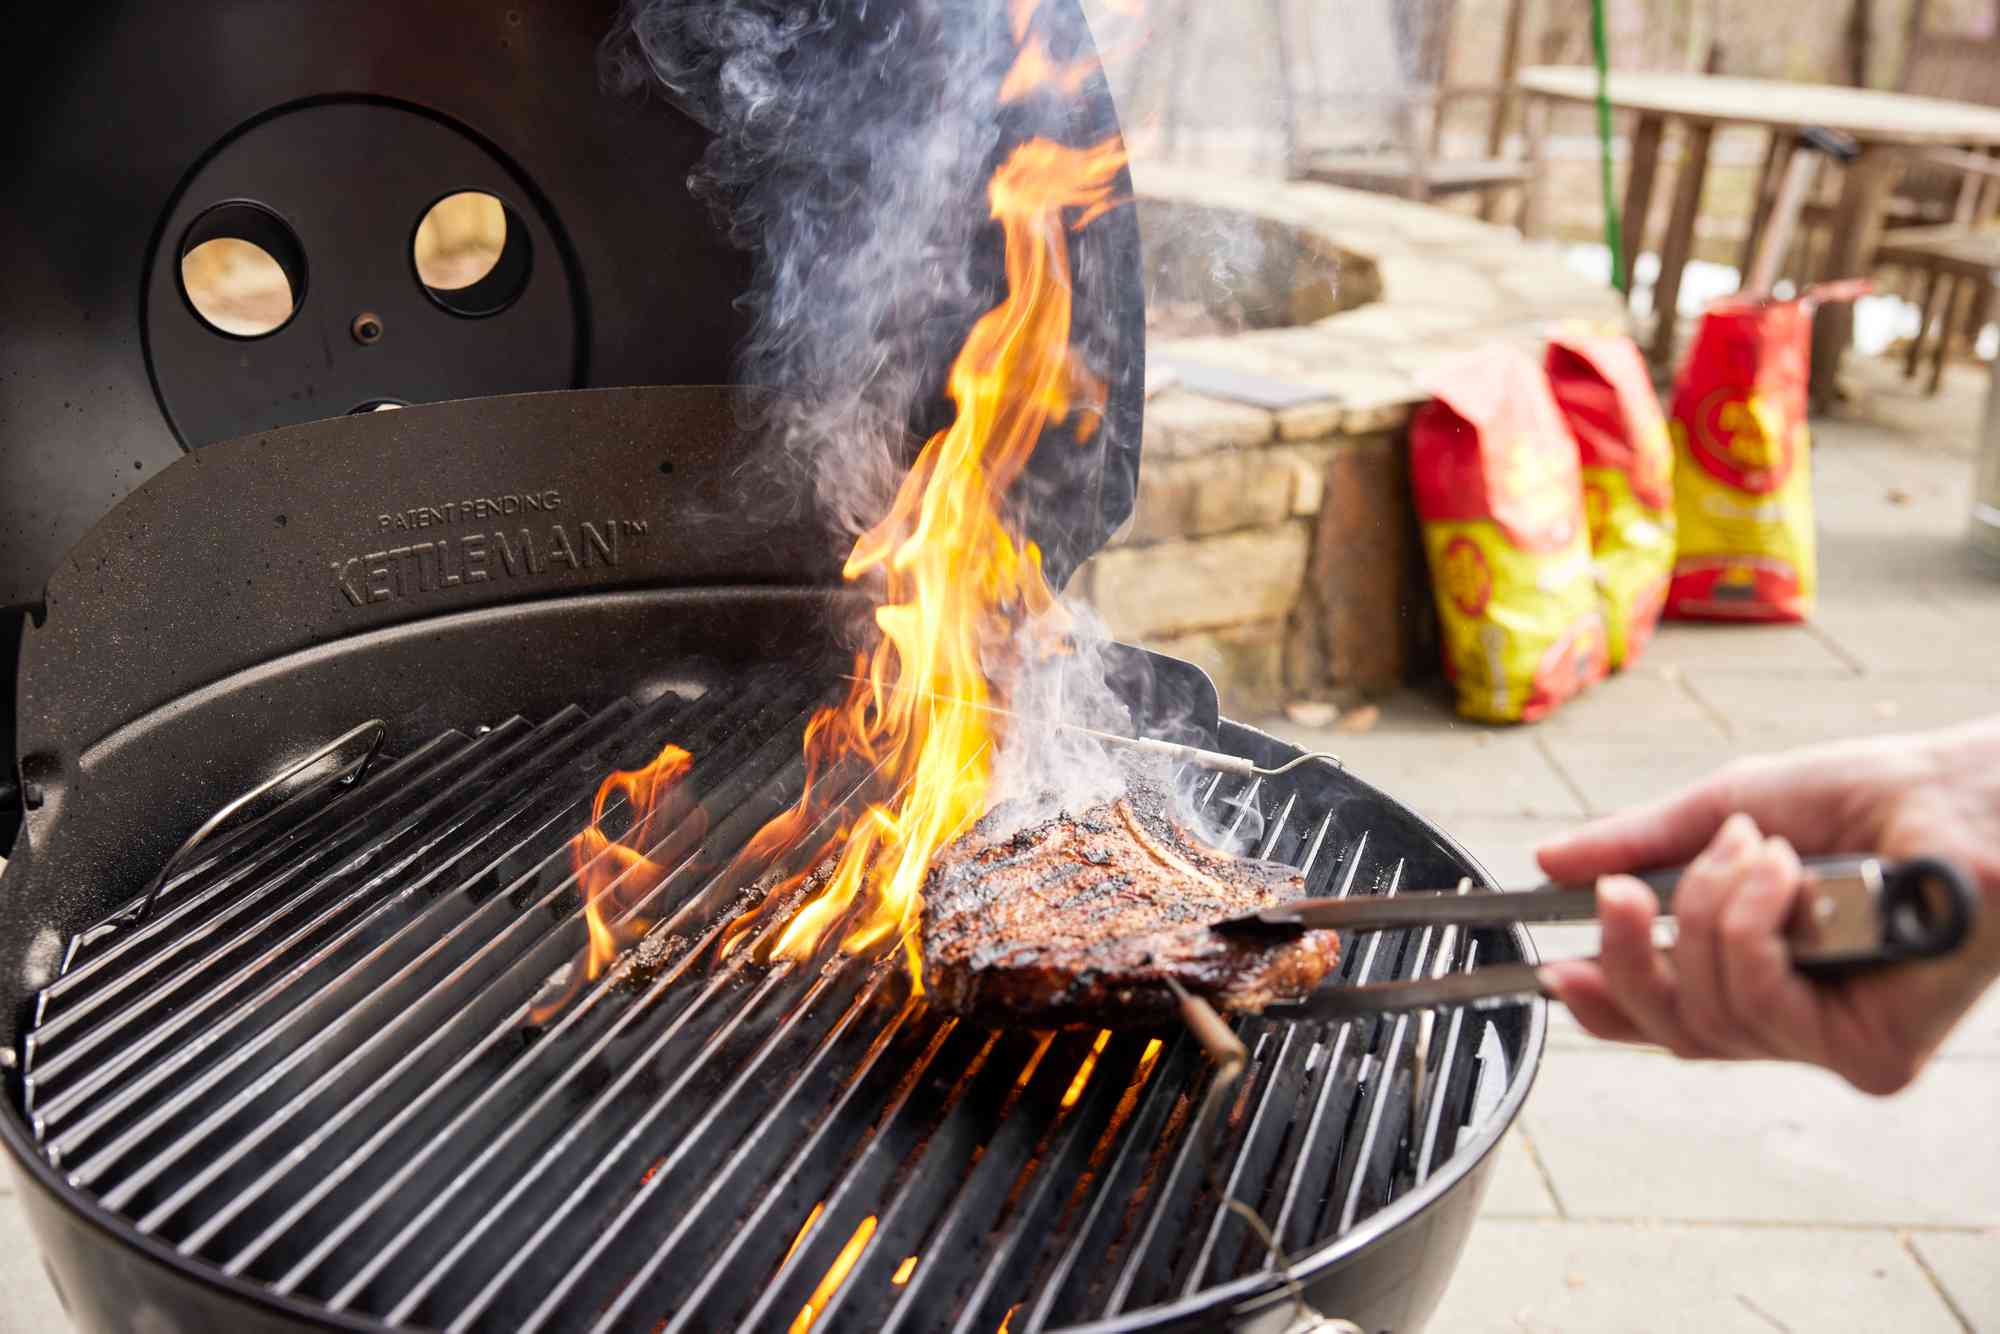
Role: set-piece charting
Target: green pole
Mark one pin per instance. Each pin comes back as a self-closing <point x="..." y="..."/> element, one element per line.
<point x="1612" y="239"/>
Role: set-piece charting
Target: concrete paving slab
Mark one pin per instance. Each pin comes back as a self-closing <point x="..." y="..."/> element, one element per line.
<point x="1565" y="940"/>
<point x="1569" y="1278"/>
<point x="1415" y="709"/>
<point x="1978" y="1034"/>
<point x="1470" y="769"/>
<point x="1645" y="703"/>
<point x="1767" y="711"/>
<point x="1791" y="650"/>
<point x="1504" y="845"/>
<point x="1966" y="1265"/>
<point x="28" y="1302"/>
<point x="1626" y="1134"/>
<point x="1565" y="1034"/>
<point x="1897" y="562"/>
<point x="1902" y="487"/>
<point x="1869" y="510"/>
<point x="1908" y="638"/>
<point x="1516" y="1189"/>
<point x="1613" y="774"/>
<point x="1884" y="403"/>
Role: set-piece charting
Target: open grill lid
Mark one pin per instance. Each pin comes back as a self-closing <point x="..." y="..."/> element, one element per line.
<point x="345" y="124"/>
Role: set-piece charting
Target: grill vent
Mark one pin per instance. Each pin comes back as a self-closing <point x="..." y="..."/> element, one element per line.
<point x="313" y="1068"/>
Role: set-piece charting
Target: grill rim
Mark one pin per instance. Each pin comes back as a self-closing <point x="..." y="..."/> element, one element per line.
<point x="1236" y="1300"/>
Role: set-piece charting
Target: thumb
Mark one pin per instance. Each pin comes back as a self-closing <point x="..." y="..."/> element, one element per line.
<point x="1665" y="833"/>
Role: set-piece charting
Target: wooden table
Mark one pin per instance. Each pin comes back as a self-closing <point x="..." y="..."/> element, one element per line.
<point x="1885" y="126"/>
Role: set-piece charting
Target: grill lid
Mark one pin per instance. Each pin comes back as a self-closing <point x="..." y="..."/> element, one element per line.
<point x="159" y="124"/>
<point x="316" y="131"/>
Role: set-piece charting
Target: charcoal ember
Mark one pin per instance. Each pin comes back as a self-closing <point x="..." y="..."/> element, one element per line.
<point x="1083" y="918"/>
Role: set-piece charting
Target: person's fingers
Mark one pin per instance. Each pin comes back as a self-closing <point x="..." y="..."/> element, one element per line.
<point x="1767" y="997"/>
<point x="1639" y="978"/>
<point x="1705" y="891"/>
<point x="1665" y="833"/>
<point x="1579" y="984"/>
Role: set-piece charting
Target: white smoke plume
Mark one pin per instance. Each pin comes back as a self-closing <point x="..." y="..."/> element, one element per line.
<point x="851" y="146"/>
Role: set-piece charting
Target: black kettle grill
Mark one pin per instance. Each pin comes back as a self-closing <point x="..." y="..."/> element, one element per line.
<point x="334" y="689"/>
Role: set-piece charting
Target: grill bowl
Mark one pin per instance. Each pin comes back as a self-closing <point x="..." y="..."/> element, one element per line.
<point x="1331" y="1100"/>
<point x="131" y="762"/>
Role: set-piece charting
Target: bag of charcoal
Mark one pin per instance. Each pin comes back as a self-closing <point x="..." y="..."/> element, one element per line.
<point x="1493" y="471"/>
<point x="1742" y="461"/>
<point x="1601" y="384"/>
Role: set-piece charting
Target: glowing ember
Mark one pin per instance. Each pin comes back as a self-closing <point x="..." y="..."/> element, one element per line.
<point x="952" y="580"/>
<point x="904" y="1270"/>
<point x="1076" y="1085"/>
<point x="805" y="1227"/>
<point x="836" y="1273"/>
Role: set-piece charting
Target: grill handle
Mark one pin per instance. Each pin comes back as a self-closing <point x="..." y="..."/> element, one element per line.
<point x="375" y="729"/>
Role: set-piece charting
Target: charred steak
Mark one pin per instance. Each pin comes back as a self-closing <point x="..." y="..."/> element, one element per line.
<point x="1083" y="918"/>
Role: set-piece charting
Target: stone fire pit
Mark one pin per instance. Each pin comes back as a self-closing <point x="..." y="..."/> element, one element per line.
<point x="1274" y="543"/>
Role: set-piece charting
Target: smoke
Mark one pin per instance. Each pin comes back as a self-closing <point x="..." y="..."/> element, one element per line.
<point x="851" y="146"/>
<point x="1046" y="764"/>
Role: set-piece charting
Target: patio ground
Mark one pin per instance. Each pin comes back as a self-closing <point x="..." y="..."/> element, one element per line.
<point x="1644" y="1194"/>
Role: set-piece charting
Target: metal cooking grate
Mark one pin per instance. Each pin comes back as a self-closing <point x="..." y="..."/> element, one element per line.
<point x="313" y="1067"/>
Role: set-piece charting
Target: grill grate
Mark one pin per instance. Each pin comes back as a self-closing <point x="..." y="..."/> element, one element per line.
<point x="313" y="1068"/>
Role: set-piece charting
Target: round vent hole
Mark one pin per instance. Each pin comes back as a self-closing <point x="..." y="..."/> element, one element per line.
<point x="243" y="270"/>
<point x="471" y="254"/>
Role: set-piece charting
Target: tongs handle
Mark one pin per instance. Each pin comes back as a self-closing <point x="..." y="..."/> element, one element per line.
<point x="1854" y="913"/>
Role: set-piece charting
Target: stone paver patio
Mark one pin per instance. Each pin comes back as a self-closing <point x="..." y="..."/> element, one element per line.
<point x="1640" y="1193"/>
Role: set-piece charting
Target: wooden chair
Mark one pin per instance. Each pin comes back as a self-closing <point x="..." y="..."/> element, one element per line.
<point x="1960" y="265"/>
<point x="1962" y="69"/>
<point x="1941" y="195"/>
<point x="1398" y="152"/>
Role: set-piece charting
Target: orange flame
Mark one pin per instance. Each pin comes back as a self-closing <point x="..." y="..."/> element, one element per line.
<point x="952" y="583"/>
<point x="1036" y="67"/>
<point x="955" y="580"/>
<point x="616" y="873"/>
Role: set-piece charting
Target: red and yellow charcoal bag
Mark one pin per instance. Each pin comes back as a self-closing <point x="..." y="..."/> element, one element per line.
<point x="1742" y="466"/>
<point x="1606" y="395"/>
<point x="1494" y="472"/>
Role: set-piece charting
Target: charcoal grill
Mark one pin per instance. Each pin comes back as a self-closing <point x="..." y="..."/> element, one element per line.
<point x="321" y="1085"/>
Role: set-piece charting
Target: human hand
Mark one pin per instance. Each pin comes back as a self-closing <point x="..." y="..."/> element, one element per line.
<point x="1726" y="988"/>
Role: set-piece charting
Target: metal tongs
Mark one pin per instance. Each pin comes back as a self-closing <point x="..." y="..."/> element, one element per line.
<point x="1854" y="913"/>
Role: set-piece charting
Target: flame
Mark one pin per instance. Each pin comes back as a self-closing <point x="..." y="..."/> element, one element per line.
<point x="616" y="872"/>
<point x="904" y="1270"/>
<point x="952" y="583"/>
<point x="835" y="1274"/>
<point x="1036" y="68"/>
<point x="955" y="581"/>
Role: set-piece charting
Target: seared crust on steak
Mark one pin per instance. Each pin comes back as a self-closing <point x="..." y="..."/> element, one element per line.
<point x="1081" y="919"/>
